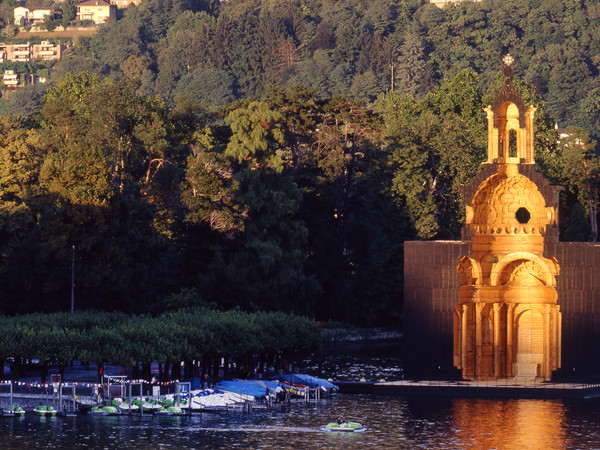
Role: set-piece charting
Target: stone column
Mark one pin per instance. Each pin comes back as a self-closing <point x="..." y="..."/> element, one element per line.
<point x="463" y="343"/>
<point x="510" y="317"/>
<point x="548" y="344"/>
<point x="559" y="339"/>
<point x="478" y="339"/>
<point x="497" y="342"/>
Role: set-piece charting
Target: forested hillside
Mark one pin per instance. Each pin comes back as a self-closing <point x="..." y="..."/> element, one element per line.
<point x="219" y="51"/>
<point x="275" y="155"/>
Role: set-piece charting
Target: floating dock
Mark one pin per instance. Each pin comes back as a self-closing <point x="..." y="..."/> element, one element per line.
<point x="481" y="389"/>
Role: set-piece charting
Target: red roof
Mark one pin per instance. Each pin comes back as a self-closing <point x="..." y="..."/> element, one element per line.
<point x="94" y="3"/>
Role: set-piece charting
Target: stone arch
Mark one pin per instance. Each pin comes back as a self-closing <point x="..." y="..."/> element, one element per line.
<point x="547" y="268"/>
<point x="509" y="112"/>
<point x="529" y="356"/>
<point x="522" y="272"/>
<point x="508" y="94"/>
<point x="469" y="271"/>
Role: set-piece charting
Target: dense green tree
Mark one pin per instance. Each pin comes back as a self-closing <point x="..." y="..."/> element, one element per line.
<point x="554" y="43"/>
<point x="85" y="201"/>
<point x="579" y="167"/>
<point x="413" y="74"/>
<point x="21" y="153"/>
<point x="436" y="145"/>
<point x="366" y="87"/>
<point x="68" y="11"/>
<point x="212" y="89"/>
<point x="255" y="136"/>
<point x="568" y="75"/>
<point x="209" y="187"/>
<point x="268" y="265"/>
<point x="267" y="272"/>
<point x="313" y="73"/>
<point x="189" y="48"/>
<point x="23" y="102"/>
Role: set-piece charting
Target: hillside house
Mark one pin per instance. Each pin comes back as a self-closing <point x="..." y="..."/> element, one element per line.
<point x="16" y="52"/>
<point x="124" y="3"/>
<point x="96" y="11"/>
<point x="25" y="16"/>
<point x="11" y="79"/>
<point x="45" y="51"/>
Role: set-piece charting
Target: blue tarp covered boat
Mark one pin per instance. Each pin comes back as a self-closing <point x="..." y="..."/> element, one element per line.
<point x="256" y="388"/>
<point x="307" y="380"/>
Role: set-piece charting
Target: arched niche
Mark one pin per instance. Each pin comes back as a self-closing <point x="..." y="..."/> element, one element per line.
<point x="545" y="269"/>
<point x="530" y="337"/>
<point x="469" y="271"/>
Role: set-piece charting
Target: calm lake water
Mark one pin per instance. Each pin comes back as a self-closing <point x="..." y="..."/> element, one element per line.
<point x="393" y="422"/>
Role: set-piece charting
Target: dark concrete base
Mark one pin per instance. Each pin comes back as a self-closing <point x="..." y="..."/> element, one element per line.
<point x="483" y="389"/>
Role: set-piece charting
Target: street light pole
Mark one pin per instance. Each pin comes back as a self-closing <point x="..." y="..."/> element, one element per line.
<point x="73" y="281"/>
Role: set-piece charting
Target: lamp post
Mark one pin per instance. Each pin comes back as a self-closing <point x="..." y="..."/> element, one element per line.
<point x="73" y="280"/>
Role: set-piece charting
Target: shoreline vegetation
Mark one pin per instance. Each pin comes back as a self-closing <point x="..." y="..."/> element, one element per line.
<point x="345" y="333"/>
<point x="201" y="339"/>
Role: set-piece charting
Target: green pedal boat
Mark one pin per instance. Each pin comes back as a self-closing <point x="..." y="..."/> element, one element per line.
<point x="346" y="427"/>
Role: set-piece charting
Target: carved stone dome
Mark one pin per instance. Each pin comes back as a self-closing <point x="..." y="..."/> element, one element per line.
<point x="509" y="203"/>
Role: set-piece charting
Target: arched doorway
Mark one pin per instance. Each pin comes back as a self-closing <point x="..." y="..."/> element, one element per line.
<point x="530" y="344"/>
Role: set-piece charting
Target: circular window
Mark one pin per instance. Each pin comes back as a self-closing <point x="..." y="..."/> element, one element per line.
<point x="522" y="215"/>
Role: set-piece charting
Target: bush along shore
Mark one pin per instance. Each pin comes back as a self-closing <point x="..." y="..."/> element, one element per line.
<point x="337" y="332"/>
<point x="186" y="343"/>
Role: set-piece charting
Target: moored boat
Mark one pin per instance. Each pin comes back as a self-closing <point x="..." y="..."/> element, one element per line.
<point x="170" y="411"/>
<point x="105" y="411"/>
<point x="148" y="406"/>
<point x="307" y="380"/>
<point x="85" y="404"/>
<point x="125" y="406"/>
<point x="45" y="410"/>
<point x="11" y="411"/>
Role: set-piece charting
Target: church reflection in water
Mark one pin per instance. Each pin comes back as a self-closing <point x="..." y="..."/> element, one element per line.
<point x="493" y="423"/>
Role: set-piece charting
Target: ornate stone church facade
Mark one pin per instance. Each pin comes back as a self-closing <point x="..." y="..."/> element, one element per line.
<point x="507" y="321"/>
<point x="508" y="300"/>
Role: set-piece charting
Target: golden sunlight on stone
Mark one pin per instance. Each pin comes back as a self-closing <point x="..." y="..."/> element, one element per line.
<point x="507" y="321"/>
